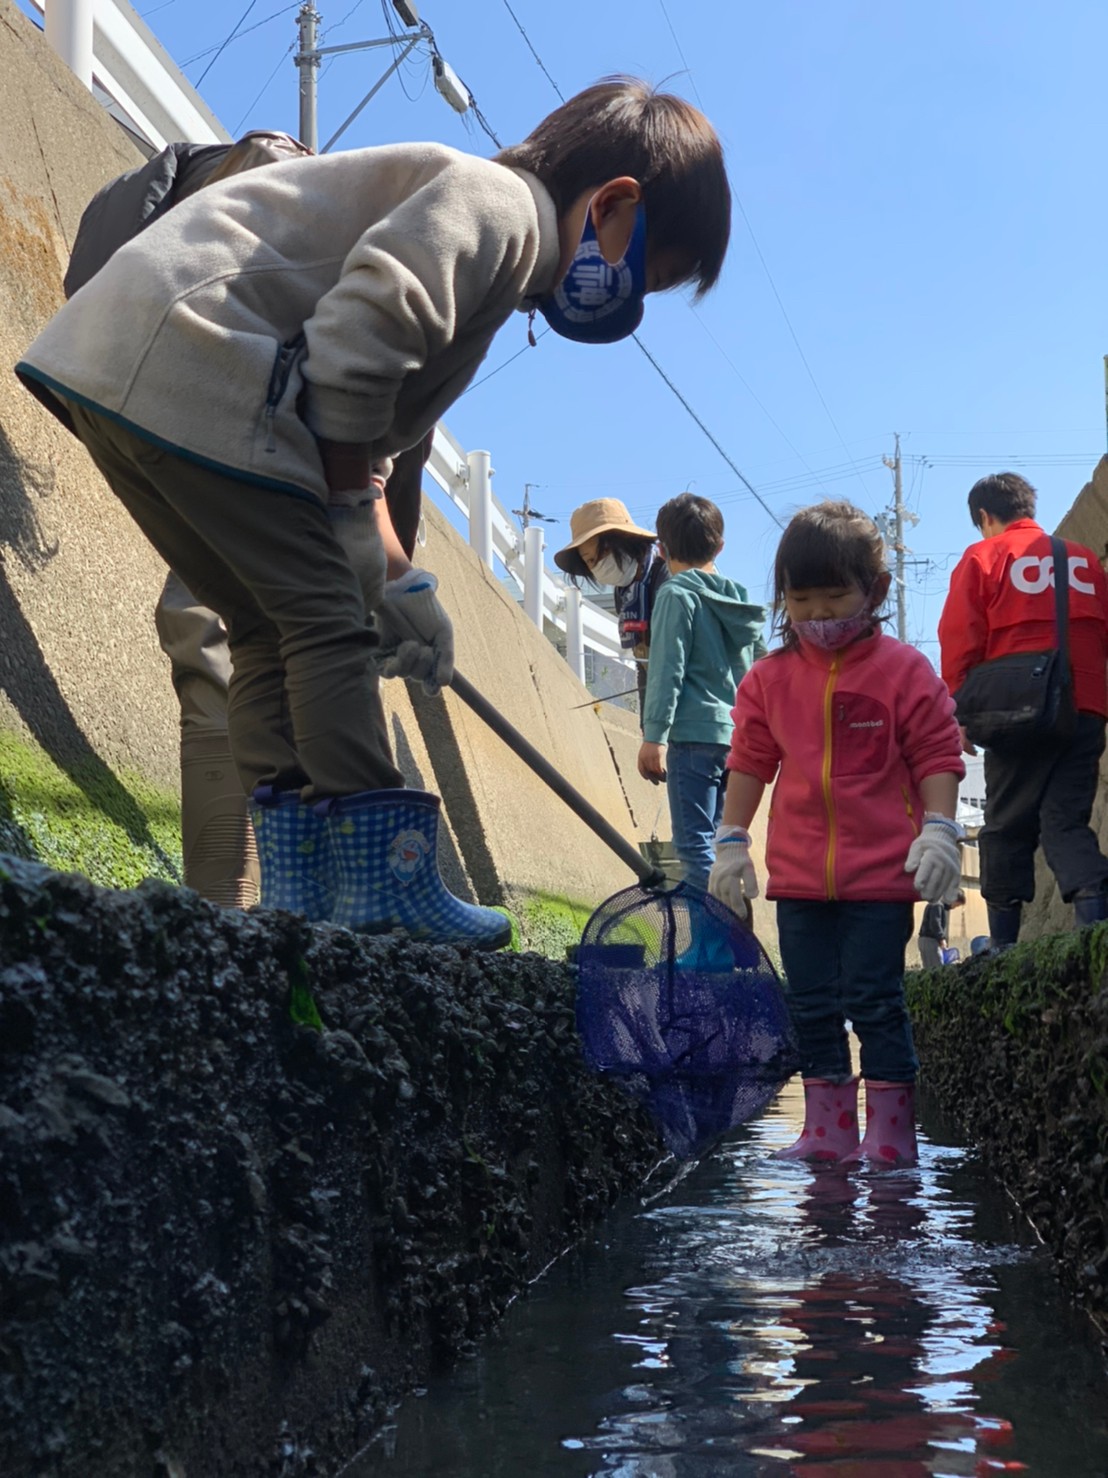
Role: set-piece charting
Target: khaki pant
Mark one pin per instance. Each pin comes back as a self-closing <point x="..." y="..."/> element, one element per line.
<point x="304" y="710"/>
<point x="217" y="840"/>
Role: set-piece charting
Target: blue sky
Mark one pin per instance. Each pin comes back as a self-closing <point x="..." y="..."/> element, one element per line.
<point x="918" y="248"/>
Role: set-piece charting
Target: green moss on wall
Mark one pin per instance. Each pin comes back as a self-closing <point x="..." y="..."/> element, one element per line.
<point x="1014" y="988"/>
<point x="114" y="828"/>
<point x="547" y="924"/>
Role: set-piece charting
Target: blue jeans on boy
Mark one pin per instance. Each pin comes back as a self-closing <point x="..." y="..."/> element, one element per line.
<point x="694" y="784"/>
<point x="845" y="962"/>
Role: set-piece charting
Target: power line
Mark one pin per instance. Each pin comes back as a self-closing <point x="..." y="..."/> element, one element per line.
<point x="762" y="260"/>
<point x="532" y="50"/>
<point x="505" y="364"/>
<point x="742" y="478"/>
<point x="657" y="367"/>
<point x="221" y="49"/>
<point x="265" y="86"/>
<point x="236" y="35"/>
<point x="750" y="391"/>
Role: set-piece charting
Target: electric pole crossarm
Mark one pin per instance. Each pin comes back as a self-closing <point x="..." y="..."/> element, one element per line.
<point x="372" y="93"/>
<point x="306" y="56"/>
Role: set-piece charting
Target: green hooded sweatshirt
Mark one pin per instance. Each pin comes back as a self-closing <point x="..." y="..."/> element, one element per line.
<point x="704" y="634"/>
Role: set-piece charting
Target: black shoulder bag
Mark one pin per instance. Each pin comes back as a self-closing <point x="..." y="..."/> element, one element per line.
<point x="1014" y="701"/>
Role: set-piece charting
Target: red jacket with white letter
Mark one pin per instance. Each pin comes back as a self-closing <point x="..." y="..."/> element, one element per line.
<point x="1001" y="601"/>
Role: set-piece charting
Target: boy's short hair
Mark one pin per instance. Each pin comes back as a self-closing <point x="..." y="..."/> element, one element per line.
<point x="621" y="126"/>
<point x="1005" y="495"/>
<point x="690" y="529"/>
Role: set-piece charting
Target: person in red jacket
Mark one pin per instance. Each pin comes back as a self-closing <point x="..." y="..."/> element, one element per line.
<point x="858" y="732"/>
<point x="1001" y="601"/>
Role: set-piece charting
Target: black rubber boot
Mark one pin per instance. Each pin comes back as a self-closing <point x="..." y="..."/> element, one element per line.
<point x="1090" y="907"/>
<point x="1004" y="924"/>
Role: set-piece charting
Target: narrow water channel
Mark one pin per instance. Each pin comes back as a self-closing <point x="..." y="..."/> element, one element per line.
<point x="767" y="1318"/>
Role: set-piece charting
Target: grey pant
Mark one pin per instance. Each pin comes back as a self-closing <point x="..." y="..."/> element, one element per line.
<point x="929" y="952"/>
<point x="303" y="704"/>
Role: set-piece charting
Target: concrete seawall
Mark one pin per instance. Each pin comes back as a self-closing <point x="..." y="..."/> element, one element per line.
<point x="255" y="1180"/>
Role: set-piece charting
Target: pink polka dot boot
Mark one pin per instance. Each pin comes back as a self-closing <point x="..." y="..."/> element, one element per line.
<point x="830" y="1122"/>
<point x="890" y="1139"/>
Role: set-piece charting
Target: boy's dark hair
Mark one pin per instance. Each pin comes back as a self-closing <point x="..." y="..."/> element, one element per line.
<point x="831" y="543"/>
<point x="621" y="126"/>
<point x="690" y="529"/>
<point x="1005" y="495"/>
<point x="610" y="542"/>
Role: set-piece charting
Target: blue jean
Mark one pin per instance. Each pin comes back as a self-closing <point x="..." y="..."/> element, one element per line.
<point x="845" y="962"/>
<point x="694" y="784"/>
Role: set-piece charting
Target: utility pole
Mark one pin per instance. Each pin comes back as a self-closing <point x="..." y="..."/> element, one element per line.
<point x="900" y="516"/>
<point x="528" y="515"/>
<point x="309" y="55"/>
<point x="307" y="61"/>
<point x="533" y="542"/>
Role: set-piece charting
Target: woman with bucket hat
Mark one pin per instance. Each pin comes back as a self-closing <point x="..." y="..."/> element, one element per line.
<point x="608" y="548"/>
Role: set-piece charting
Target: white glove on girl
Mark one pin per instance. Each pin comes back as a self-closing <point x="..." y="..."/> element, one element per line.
<point x="417" y="639"/>
<point x="935" y="859"/>
<point x="733" y="879"/>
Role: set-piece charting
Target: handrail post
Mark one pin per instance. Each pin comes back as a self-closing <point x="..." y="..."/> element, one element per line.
<point x="533" y="573"/>
<point x="69" y="33"/>
<point x="480" y="504"/>
<point x="575" y="640"/>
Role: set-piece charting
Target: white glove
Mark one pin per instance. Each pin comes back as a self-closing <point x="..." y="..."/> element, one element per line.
<point x="417" y="639"/>
<point x="355" y="527"/>
<point x="733" y="879"/>
<point x="935" y="858"/>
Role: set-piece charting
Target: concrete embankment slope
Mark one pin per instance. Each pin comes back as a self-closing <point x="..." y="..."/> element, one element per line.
<point x="1016" y="1049"/>
<point x="255" y="1179"/>
<point x="88" y="719"/>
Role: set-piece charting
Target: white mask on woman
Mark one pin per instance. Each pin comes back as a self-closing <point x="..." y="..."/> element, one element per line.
<point x="615" y="569"/>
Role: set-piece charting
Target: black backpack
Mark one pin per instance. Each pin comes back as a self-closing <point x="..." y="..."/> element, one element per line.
<point x="132" y="201"/>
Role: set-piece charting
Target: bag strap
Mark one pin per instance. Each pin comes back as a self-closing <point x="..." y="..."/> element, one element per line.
<point x="1062" y="602"/>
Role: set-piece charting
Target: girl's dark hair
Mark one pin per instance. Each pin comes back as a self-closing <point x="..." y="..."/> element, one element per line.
<point x="634" y="546"/>
<point x="621" y="126"/>
<point x="831" y="544"/>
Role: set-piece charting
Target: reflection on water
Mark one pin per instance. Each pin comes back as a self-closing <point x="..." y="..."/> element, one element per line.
<point x="768" y="1318"/>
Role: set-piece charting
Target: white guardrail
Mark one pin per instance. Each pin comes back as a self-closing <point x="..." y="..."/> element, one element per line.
<point x="466" y="479"/>
<point x="113" y="52"/>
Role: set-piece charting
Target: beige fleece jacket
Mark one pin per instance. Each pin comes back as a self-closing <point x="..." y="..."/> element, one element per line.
<point x="347" y="296"/>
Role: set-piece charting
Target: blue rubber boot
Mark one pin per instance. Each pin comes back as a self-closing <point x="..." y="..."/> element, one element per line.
<point x="294" y="854"/>
<point x="384" y="844"/>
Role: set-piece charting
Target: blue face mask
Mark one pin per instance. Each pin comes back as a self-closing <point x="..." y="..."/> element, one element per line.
<point x="598" y="302"/>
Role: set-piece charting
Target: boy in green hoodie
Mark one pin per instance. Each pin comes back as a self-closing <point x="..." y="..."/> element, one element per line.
<point x="704" y="635"/>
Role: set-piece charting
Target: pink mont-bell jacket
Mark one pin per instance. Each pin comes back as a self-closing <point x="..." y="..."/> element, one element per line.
<point x="848" y="736"/>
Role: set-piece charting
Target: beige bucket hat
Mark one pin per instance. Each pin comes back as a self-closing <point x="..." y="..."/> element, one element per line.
<point x="601" y="516"/>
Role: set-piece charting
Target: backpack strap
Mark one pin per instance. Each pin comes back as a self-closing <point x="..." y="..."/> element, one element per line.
<point x="1062" y="604"/>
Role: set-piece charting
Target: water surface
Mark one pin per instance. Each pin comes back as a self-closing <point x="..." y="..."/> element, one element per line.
<point x="767" y="1318"/>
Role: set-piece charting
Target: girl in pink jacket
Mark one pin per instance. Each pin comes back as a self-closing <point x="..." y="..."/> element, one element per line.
<point x="858" y="732"/>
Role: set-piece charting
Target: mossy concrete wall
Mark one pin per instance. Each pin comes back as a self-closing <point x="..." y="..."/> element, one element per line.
<point x="256" y="1179"/>
<point x="1016" y="1048"/>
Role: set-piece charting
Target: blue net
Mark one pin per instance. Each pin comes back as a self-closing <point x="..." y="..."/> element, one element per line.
<point x="680" y="1005"/>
